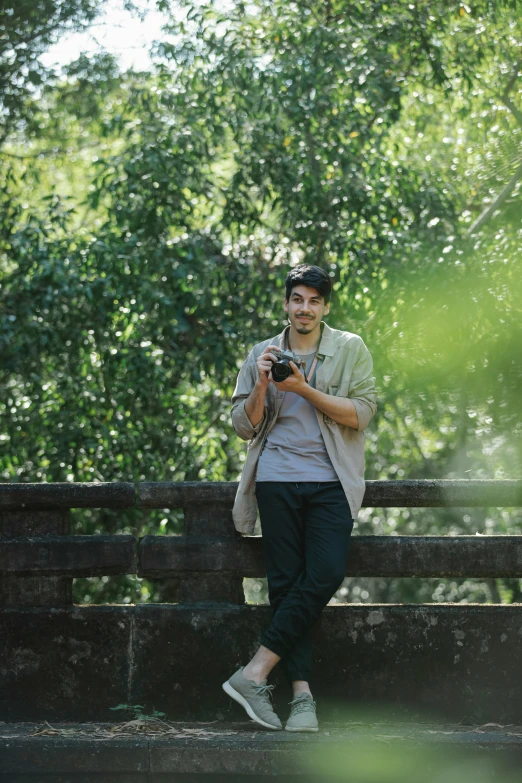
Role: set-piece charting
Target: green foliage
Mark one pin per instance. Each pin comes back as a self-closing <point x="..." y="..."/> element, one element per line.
<point x="27" y="30"/>
<point x="137" y="712"/>
<point x="149" y="219"/>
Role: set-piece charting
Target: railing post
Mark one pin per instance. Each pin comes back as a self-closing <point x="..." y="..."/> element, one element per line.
<point x="208" y="520"/>
<point x="18" y="590"/>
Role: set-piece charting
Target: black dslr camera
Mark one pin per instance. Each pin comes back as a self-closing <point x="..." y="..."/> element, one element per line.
<point x="281" y="369"/>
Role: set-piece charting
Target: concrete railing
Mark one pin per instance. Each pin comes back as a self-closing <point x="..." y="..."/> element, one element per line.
<point x="74" y="662"/>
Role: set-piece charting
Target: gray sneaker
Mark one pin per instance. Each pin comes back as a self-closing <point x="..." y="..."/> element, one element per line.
<point x="302" y="714"/>
<point x="254" y="698"/>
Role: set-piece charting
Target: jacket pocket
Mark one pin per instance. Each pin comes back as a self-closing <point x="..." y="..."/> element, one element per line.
<point x="340" y="390"/>
<point x="336" y="390"/>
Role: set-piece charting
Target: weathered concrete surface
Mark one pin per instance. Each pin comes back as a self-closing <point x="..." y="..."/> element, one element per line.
<point x="243" y="750"/>
<point x="453" y="660"/>
<point x="59" y="663"/>
<point x="162" y="494"/>
<point x="37" y="589"/>
<point x="403" y="556"/>
<point x="422" y="493"/>
<point x="77" y="555"/>
<point x="460" y="662"/>
<point x="240" y="556"/>
<point x="67" y="494"/>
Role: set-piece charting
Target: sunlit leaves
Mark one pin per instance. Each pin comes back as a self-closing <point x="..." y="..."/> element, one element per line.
<point x="148" y="221"/>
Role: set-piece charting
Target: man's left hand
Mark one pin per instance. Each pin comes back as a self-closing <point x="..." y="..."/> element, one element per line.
<point x="295" y="382"/>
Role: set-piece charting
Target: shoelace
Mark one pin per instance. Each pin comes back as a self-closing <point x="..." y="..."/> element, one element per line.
<point x="302" y="705"/>
<point x="265" y="691"/>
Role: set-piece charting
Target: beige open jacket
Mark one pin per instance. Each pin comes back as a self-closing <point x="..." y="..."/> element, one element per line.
<point x="346" y="371"/>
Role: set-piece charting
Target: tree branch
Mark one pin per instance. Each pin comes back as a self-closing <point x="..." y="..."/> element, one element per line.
<point x="517" y="114"/>
<point x="497" y="203"/>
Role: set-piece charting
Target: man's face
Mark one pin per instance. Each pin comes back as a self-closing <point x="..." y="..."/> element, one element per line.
<point x="305" y="308"/>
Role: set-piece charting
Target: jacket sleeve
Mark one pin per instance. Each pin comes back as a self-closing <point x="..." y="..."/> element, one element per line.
<point x="363" y="392"/>
<point x="246" y="380"/>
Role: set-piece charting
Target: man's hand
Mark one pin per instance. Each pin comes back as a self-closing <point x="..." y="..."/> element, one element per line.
<point x="295" y="382"/>
<point x="264" y="366"/>
<point x="255" y="403"/>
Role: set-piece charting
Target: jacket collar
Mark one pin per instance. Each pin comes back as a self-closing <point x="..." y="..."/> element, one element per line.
<point x="326" y="346"/>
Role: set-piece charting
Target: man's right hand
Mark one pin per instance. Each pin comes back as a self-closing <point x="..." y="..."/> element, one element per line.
<point x="264" y="366"/>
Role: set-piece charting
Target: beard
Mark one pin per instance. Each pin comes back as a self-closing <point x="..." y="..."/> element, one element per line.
<point x="303" y="327"/>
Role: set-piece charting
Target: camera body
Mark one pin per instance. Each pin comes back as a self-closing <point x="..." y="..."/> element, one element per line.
<point x="281" y="369"/>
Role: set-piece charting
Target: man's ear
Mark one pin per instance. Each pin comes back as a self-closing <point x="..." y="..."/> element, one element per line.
<point x="286" y="305"/>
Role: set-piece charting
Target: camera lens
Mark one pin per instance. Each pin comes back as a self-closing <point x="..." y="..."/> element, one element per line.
<point x="280" y="371"/>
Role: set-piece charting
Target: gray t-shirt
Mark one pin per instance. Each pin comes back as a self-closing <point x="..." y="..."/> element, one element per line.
<point x="294" y="449"/>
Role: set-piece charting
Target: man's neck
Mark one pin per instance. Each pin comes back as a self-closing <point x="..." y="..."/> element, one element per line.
<point x="304" y="343"/>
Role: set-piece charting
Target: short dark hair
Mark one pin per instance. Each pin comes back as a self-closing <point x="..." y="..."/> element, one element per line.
<point x="311" y="276"/>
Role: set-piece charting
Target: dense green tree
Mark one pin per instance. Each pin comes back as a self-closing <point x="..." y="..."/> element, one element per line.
<point x="149" y="220"/>
<point x="27" y="29"/>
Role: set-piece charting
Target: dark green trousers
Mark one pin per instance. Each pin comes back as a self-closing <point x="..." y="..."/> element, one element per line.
<point x="306" y="529"/>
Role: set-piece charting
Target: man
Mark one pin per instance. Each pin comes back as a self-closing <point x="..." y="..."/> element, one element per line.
<point x="305" y="472"/>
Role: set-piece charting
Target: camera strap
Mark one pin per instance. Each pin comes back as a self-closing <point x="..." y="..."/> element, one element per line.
<point x="312" y="368"/>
